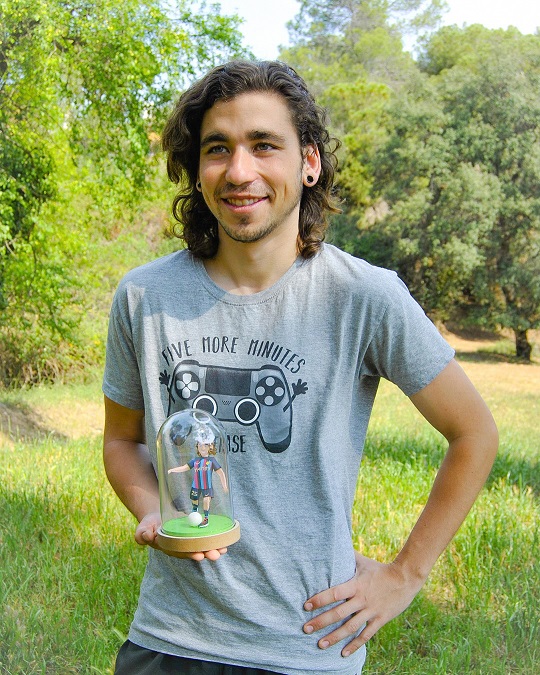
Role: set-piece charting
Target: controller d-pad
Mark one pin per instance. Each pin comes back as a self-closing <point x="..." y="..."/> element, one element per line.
<point x="269" y="391"/>
<point x="187" y="384"/>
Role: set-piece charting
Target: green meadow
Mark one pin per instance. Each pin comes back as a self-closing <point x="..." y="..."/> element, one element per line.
<point x="70" y="570"/>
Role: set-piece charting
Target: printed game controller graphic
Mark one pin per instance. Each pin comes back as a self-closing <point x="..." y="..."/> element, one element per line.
<point x="260" y="396"/>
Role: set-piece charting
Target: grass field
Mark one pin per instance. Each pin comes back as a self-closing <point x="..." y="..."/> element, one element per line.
<point x="69" y="572"/>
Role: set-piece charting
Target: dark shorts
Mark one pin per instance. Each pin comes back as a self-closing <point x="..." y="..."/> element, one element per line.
<point x="197" y="494"/>
<point x="135" y="660"/>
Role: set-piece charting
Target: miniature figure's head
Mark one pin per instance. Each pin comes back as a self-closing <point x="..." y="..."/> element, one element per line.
<point x="206" y="441"/>
<point x="205" y="449"/>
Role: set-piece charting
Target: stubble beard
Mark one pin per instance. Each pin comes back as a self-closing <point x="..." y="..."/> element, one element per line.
<point x="243" y="234"/>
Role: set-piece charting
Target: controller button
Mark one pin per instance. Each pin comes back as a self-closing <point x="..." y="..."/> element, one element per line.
<point x="247" y="411"/>
<point x="269" y="391"/>
<point x="205" y="403"/>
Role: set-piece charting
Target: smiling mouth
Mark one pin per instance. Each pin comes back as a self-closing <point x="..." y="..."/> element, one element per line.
<point x="243" y="202"/>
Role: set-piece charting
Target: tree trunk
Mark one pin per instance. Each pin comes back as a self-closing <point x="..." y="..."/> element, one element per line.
<point x="523" y="346"/>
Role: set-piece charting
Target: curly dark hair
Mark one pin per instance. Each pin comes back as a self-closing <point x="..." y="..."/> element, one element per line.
<point x="181" y="142"/>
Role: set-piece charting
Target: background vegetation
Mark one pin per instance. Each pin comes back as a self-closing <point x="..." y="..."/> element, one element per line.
<point x="84" y="88"/>
<point x="440" y="163"/>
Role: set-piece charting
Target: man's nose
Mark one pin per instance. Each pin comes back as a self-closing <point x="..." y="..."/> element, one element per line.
<point x="241" y="167"/>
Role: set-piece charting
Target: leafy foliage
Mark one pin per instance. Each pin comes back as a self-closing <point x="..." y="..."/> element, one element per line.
<point x="440" y="160"/>
<point x="320" y="20"/>
<point x="84" y="88"/>
<point x="461" y="173"/>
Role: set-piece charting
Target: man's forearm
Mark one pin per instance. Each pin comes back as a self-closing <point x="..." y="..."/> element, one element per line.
<point x="461" y="477"/>
<point x="132" y="476"/>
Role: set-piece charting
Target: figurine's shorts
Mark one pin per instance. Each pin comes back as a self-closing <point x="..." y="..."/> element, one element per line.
<point x="135" y="660"/>
<point x="195" y="494"/>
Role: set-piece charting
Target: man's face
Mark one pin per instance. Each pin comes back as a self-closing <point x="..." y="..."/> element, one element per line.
<point x="251" y="166"/>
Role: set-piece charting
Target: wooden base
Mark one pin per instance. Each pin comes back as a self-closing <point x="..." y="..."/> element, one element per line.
<point x="176" y="546"/>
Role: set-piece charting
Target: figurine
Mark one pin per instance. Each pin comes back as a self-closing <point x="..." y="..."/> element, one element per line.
<point x="203" y="466"/>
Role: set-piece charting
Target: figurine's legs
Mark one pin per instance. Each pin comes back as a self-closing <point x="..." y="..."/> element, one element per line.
<point x="206" y="506"/>
<point x="194" y="496"/>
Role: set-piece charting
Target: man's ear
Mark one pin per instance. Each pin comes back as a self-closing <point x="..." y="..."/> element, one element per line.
<point x="312" y="165"/>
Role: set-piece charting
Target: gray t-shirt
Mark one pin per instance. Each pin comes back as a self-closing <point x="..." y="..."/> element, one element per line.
<point x="320" y="339"/>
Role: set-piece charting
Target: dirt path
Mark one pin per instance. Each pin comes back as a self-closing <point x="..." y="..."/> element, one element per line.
<point x="75" y="420"/>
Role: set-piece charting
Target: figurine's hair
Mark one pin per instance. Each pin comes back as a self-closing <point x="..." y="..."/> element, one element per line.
<point x="181" y="142"/>
<point x="212" y="449"/>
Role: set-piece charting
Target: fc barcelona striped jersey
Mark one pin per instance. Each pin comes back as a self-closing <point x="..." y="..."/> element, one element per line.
<point x="202" y="472"/>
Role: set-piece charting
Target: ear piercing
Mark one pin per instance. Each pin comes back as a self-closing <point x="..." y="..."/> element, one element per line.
<point x="309" y="179"/>
<point x="198" y="185"/>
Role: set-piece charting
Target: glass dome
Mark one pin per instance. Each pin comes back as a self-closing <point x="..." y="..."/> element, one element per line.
<point x="194" y="484"/>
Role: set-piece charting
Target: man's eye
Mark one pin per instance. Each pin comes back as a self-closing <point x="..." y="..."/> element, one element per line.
<point x="216" y="149"/>
<point x="265" y="147"/>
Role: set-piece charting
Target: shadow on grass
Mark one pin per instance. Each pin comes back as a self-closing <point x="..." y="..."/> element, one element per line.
<point x="472" y="333"/>
<point x="523" y="473"/>
<point x="490" y="357"/>
<point x="452" y="639"/>
<point x="21" y="423"/>
<point x="489" y="346"/>
<point x="520" y="472"/>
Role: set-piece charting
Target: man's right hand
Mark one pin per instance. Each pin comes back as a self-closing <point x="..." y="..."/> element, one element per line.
<point x="146" y="533"/>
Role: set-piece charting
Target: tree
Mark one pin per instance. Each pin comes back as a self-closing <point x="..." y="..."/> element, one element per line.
<point x="347" y="41"/>
<point x="319" y="20"/>
<point x="439" y="165"/>
<point x="351" y="54"/>
<point x="83" y="88"/>
<point x="461" y="174"/>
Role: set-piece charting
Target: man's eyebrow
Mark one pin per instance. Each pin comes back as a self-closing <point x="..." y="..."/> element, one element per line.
<point x="214" y="137"/>
<point x="256" y="135"/>
<point x="266" y="136"/>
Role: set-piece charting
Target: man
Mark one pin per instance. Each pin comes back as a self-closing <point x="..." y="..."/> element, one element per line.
<point x="284" y="339"/>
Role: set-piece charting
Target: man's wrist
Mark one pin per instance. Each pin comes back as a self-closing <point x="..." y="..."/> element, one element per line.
<point x="413" y="572"/>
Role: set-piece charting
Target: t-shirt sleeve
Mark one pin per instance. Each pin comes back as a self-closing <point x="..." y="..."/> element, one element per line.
<point x="406" y="347"/>
<point x="121" y="380"/>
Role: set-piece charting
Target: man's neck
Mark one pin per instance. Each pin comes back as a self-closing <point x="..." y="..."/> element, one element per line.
<point x="245" y="269"/>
